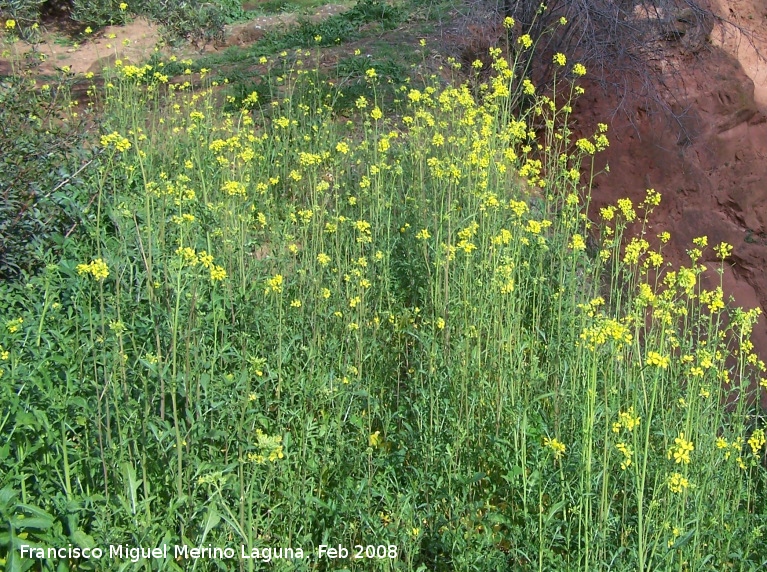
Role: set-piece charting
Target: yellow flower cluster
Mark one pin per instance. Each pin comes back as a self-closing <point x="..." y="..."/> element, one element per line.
<point x="555" y="445"/>
<point x="606" y="329"/>
<point x="274" y="284"/>
<point x="135" y="72"/>
<point x="14" y="326"/>
<point x="681" y="450"/>
<point x="627" y="454"/>
<point x="577" y="242"/>
<point x="626" y="420"/>
<point x="465" y="238"/>
<point x="723" y="444"/>
<point x="375" y="439"/>
<point x="503" y="276"/>
<point x="723" y="250"/>
<point x="713" y="299"/>
<point x="270" y="448"/>
<point x="757" y="441"/>
<point x="635" y="249"/>
<point x="658" y="360"/>
<point x="97" y="268"/>
<point x="191" y="258"/>
<point x="115" y="140"/>
<point x="677" y="483"/>
<point x="627" y="209"/>
<point x="234" y="188"/>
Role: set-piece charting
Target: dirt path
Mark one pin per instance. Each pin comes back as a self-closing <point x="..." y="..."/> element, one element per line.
<point x="136" y="41"/>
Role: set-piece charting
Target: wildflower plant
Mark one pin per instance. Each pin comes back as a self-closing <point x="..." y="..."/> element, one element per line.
<point x="285" y="326"/>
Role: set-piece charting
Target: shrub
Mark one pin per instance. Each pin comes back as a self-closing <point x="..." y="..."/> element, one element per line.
<point x="41" y="160"/>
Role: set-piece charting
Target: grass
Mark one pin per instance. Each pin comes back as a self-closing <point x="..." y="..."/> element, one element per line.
<point x="281" y="6"/>
<point x="286" y="328"/>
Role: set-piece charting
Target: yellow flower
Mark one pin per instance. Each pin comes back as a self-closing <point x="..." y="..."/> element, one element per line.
<point x="534" y="226"/>
<point x="586" y="146"/>
<point x="270" y="446"/>
<point x="579" y="69"/>
<point x="627" y="453"/>
<point x="274" y="284"/>
<point x="555" y="445"/>
<point x="723" y="250"/>
<point x="14" y="326"/>
<point x="10" y="24"/>
<point x="677" y="483"/>
<point x="116" y="140"/>
<point x="217" y="273"/>
<point x="423" y="234"/>
<point x="295" y="303"/>
<point x="626" y="419"/>
<point x="577" y="243"/>
<point x="525" y="41"/>
<point x="757" y="441"/>
<point x="123" y="6"/>
<point x="97" y="268"/>
<point x="681" y="450"/>
<point x="607" y="213"/>
<point x="233" y="188"/>
<point x="374" y="439"/>
<point x="654" y="358"/>
<point x="560" y="59"/>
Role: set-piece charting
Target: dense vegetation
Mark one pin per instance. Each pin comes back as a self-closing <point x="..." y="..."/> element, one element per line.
<point x="197" y="21"/>
<point x="276" y="325"/>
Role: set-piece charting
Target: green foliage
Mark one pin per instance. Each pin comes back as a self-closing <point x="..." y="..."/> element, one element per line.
<point x="99" y="13"/>
<point x="197" y="21"/>
<point x="24" y="12"/>
<point x="42" y="162"/>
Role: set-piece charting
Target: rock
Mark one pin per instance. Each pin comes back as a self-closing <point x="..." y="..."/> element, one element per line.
<point x="243" y="34"/>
